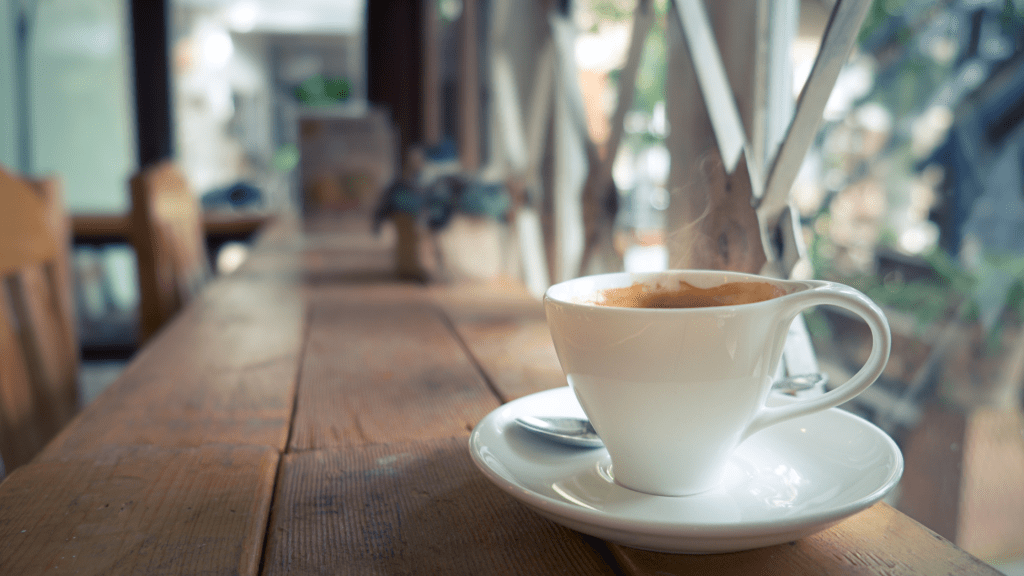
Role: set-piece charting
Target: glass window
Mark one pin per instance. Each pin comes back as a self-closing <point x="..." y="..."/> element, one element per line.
<point x="81" y="125"/>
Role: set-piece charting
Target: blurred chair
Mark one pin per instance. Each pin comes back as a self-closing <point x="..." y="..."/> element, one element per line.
<point x="167" y="234"/>
<point x="38" y="342"/>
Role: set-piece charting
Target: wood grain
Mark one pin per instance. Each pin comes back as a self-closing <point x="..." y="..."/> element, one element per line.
<point x="139" y="510"/>
<point x="500" y="297"/>
<point x="506" y="333"/>
<point x="412" y="508"/>
<point x="48" y="342"/>
<point x="223" y="372"/>
<point x="172" y="469"/>
<point x="24" y="234"/>
<point x="879" y="540"/>
<point x="38" y="341"/>
<point x="516" y="355"/>
<point x="721" y="231"/>
<point x="351" y="267"/>
<point x="58" y="275"/>
<point x="384" y="372"/>
<point x="711" y="221"/>
<point x="22" y="434"/>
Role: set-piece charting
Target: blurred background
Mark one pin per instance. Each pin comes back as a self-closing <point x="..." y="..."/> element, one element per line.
<point x="913" y="190"/>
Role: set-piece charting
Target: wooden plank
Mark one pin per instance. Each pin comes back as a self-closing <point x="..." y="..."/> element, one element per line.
<point x="507" y="335"/>
<point x="139" y="510"/>
<point x="383" y="372"/>
<point x="223" y="371"/>
<point x="505" y="331"/>
<point x="113" y="228"/>
<point x="97" y="228"/>
<point x="281" y="230"/>
<point x="516" y="355"/>
<point x="488" y="299"/>
<point x="21" y="434"/>
<point x="49" y="348"/>
<point x="354" y="277"/>
<point x="59" y="273"/>
<point x="342" y="257"/>
<point x="235" y="224"/>
<point x="166" y="232"/>
<point x="710" y="222"/>
<point x="26" y="233"/>
<point x="342" y="252"/>
<point x="706" y="58"/>
<point x="413" y="508"/>
<point x="38" y="347"/>
<point x="348" y="266"/>
<point x="879" y="540"/>
<point x="725" y="236"/>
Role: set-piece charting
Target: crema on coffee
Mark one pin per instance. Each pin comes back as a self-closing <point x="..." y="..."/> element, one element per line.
<point x="686" y="295"/>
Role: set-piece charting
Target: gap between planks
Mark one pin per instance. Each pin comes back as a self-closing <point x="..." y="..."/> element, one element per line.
<point x="450" y="324"/>
<point x="306" y="327"/>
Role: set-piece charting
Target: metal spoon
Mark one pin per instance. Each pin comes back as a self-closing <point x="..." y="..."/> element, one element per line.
<point x="579" y="432"/>
<point x="576" y="432"/>
<point x="800" y="382"/>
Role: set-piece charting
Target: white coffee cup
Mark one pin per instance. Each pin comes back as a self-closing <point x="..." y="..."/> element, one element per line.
<point x="673" y="391"/>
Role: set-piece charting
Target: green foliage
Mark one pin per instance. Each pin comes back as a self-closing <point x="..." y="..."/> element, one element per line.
<point x="320" y="90"/>
<point x="1010" y="17"/>
<point x="612" y="10"/>
<point x="875" y="18"/>
<point x="948" y="292"/>
<point x="818" y="325"/>
<point x="951" y="275"/>
<point x="1015" y="299"/>
<point x="286" y="158"/>
<point x="650" y="78"/>
<point x="928" y="301"/>
<point x="910" y="76"/>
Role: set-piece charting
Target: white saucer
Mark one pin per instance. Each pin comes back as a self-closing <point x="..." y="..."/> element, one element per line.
<point x="783" y="483"/>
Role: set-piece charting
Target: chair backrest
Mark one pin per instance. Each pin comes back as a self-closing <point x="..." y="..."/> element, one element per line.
<point x="167" y="234"/>
<point x="38" y="341"/>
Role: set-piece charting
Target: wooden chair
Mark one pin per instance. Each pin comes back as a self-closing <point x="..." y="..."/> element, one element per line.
<point x="167" y="234"/>
<point x="38" y="341"/>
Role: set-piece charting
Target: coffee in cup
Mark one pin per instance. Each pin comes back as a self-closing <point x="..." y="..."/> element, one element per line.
<point x="674" y="368"/>
<point x="686" y="295"/>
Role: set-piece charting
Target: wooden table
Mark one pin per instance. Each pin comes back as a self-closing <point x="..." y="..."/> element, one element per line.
<point x="309" y="415"/>
<point x="99" y="229"/>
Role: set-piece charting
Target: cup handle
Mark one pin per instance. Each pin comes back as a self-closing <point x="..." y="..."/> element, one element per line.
<point x="881" y="345"/>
